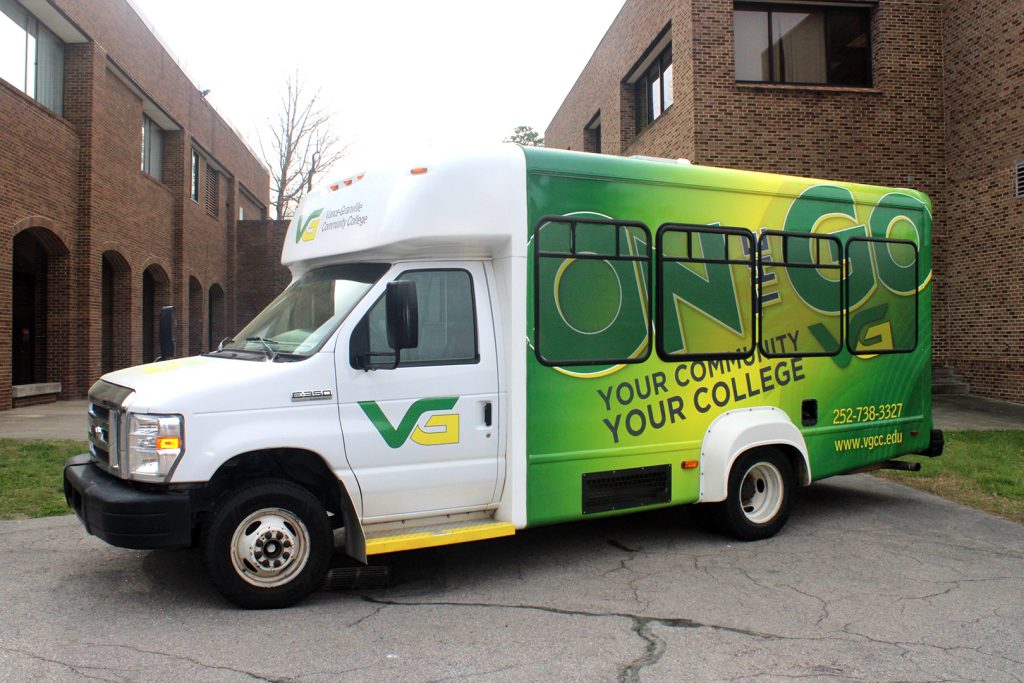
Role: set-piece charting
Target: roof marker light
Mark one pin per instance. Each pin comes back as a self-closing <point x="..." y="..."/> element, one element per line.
<point x="419" y="170"/>
<point x="347" y="181"/>
<point x="334" y="187"/>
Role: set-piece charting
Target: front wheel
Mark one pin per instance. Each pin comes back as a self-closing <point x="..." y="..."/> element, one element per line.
<point x="268" y="544"/>
<point x="760" y="485"/>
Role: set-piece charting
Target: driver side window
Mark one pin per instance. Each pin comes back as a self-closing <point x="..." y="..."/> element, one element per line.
<point x="447" y="322"/>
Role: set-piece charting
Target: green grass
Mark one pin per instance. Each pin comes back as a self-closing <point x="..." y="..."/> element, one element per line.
<point x="32" y="477"/>
<point x="982" y="469"/>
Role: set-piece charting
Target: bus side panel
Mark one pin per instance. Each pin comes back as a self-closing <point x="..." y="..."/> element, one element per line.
<point x="613" y="417"/>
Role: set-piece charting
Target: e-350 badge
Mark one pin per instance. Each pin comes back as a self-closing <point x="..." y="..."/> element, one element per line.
<point x="315" y="395"/>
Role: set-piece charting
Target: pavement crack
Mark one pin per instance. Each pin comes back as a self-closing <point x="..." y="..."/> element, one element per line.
<point x="621" y="546"/>
<point x="653" y="652"/>
<point x="185" y="658"/>
<point x="654" y="647"/>
<point x="363" y="618"/>
<point x="79" y="669"/>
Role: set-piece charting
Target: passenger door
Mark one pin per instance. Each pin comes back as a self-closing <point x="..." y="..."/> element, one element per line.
<point x="422" y="437"/>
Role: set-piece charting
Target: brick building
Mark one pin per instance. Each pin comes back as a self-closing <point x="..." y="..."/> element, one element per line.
<point x="121" y="190"/>
<point x="921" y="93"/>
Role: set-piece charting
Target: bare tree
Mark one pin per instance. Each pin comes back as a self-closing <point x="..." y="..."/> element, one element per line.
<point x="302" y="145"/>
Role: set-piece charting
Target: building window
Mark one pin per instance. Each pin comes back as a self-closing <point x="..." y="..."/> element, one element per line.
<point x="194" y="191"/>
<point x="808" y="45"/>
<point x="212" y="191"/>
<point x="653" y="89"/>
<point x="152" y="148"/>
<point x="592" y="135"/>
<point x="31" y="56"/>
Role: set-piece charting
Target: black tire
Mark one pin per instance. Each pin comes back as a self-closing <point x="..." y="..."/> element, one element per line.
<point x="761" y="484"/>
<point x="267" y="544"/>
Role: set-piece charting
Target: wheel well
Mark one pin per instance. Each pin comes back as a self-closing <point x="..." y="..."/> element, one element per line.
<point x="796" y="461"/>
<point x="305" y="468"/>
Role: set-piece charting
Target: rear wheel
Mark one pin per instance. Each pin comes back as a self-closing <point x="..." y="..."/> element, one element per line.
<point x="268" y="544"/>
<point x="757" y="506"/>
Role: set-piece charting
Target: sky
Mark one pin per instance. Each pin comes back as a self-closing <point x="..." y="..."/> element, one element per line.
<point x="400" y="76"/>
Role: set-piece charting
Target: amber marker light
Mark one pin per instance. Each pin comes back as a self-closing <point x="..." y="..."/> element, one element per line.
<point x="168" y="443"/>
<point x="690" y="464"/>
<point x="419" y="170"/>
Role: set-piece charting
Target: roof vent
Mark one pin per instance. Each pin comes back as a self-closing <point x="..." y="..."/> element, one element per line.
<point x="1020" y="179"/>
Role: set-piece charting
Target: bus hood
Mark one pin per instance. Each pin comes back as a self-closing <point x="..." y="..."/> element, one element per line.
<point x="209" y="384"/>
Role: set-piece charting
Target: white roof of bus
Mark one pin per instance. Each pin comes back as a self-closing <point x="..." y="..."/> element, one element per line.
<point x="462" y="206"/>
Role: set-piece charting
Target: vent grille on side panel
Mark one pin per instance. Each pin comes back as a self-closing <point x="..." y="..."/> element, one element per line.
<point x="1020" y="178"/>
<point x="620" y="489"/>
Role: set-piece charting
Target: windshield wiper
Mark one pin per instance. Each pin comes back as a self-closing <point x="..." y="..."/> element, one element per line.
<point x="271" y="353"/>
<point x="225" y="340"/>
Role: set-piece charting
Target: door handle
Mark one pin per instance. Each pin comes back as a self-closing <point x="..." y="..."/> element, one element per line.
<point x="487" y="414"/>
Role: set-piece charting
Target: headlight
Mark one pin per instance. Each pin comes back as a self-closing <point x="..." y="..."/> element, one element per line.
<point x="155" y="442"/>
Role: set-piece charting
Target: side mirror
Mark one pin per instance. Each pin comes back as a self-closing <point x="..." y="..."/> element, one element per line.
<point x="403" y="316"/>
<point x="166" y="333"/>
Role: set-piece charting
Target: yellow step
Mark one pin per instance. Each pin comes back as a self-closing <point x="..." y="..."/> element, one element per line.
<point x="433" y="536"/>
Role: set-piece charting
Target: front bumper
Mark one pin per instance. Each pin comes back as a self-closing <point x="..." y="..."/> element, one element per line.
<point x="116" y="512"/>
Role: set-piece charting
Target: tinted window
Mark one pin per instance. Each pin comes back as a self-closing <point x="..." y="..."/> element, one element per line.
<point x="447" y="321"/>
<point x="804" y="45"/>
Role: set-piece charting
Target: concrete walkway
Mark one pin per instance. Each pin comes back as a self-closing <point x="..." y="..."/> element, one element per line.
<point x="67" y="420"/>
<point x="60" y="420"/>
<point x="974" y="412"/>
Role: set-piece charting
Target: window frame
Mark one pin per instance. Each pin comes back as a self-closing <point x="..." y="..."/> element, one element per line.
<point x="362" y="327"/>
<point x="872" y="242"/>
<point x="573" y="221"/>
<point x="645" y="116"/>
<point x="148" y="140"/>
<point x="842" y="285"/>
<point x="769" y="7"/>
<point x="196" y="164"/>
<point x="592" y="134"/>
<point x="750" y="261"/>
<point x="36" y="37"/>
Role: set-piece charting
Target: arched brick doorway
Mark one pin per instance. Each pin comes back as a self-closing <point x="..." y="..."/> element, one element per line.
<point x="155" y="295"/>
<point x="40" y="306"/>
<point x="116" y="316"/>
<point x="217" y="324"/>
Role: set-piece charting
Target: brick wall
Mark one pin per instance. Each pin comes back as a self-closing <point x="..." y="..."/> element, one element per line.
<point x="983" y="301"/>
<point x="944" y="114"/>
<point x="38" y="193"/>
<point x="600" y="87"/>
<point x="259" y="259"/>
<point x="74" y="182"/>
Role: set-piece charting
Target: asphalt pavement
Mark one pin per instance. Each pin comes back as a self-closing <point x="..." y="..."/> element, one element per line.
<point x="868" y="581"/>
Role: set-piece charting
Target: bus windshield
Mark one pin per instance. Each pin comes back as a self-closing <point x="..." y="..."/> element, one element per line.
<point x="298" y="322"/>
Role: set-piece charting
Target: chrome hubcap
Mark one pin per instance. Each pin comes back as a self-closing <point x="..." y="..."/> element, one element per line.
<point x="761" y="492"/>
<point x="270" y="547"/>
